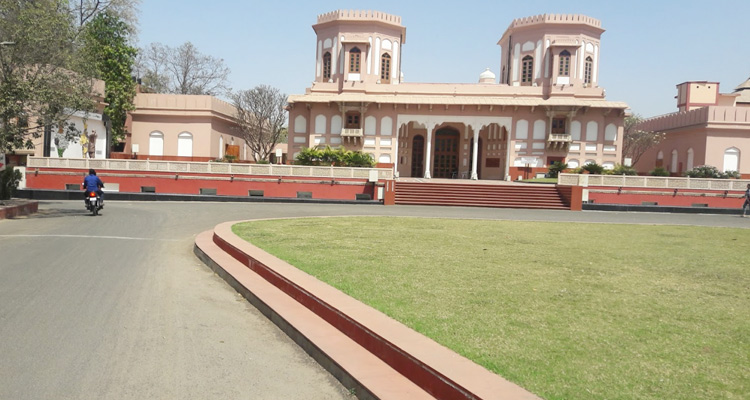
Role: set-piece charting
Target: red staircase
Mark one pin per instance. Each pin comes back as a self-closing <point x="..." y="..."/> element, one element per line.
<point x="479" y="195"/>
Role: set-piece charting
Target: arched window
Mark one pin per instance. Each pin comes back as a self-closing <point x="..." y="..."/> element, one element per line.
<point x="673" y="168"/>
<point x="527" y="70"/>
<point x="587" y="71"/>
<point x="659" y="159"/>
<point x="355" y="58"/>
<point x="185" y="144"/>
<point x="564" y="68"/>
<point x="690" y="159"/>
<point x="156" y="144"/>
<point x="732" y="159"/>
<point x="327" y="65"/>
<point x="385" y="68"/>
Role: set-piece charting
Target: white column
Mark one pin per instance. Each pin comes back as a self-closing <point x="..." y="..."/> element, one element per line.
<point x="474" y="154"/>
<point x="507" y="149"/>
<point x="428" y="151"/>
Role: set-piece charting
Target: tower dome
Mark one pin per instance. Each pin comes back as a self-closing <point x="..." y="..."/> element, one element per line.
<point x="487" y="76"/>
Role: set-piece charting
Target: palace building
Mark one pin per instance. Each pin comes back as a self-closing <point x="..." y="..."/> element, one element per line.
<point x="545" y="106"/>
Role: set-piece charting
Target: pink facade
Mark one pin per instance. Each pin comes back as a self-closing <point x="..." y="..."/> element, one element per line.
<point x="547" y="106"/>
<point x="186" y="127"/>
<point x="710" y="129"/>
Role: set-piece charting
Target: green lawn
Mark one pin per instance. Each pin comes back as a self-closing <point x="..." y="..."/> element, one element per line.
<point x="566" y="310"/>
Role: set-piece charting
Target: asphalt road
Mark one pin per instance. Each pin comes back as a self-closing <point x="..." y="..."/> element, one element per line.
<point x="118" y="307"/>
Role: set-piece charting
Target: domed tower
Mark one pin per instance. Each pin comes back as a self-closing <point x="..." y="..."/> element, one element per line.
<point x="362" y="46"/>
<point x="551" y="50"/>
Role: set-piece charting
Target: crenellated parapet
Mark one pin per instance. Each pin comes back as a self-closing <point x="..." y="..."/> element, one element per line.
<point x="556" y="19"/>
<point x="359" y="15"/>
<point x="735" y="116"/>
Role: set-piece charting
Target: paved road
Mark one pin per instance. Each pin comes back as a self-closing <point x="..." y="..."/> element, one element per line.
<point x="117" y="306"/>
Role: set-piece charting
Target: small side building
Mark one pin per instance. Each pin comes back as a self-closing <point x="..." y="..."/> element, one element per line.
<point x="177" y="127"/>
<point x="709" y="128"/>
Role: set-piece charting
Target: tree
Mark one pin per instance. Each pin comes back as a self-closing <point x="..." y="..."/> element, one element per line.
<point x="42" y="82"/>
<point x="182" y="70"/>
<point x="636" y="142"/>
<point x="106" y="37"/>
<point x="261" y="115"/>
<point x="150" y="67"/>
<point x="86" y="10"/>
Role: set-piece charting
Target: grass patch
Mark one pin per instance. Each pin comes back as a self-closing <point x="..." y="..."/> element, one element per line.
<point x="566" y="310"/>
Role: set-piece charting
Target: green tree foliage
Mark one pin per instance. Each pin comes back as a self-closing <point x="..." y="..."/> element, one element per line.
<point x="9" y="180"/>
<point x="556" y="168"/>
<point x="112" y="58"/>
<point x="41" y="79"/>
<point x="659" y="171"/>
<point x="620" y="169"/>
<point x="337" y="157"/>
<point x="593" y="168"/>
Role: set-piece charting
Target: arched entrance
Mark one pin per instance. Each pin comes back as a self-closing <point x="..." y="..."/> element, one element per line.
<point x="446" y="153"/>
<point x="417" y="156"/>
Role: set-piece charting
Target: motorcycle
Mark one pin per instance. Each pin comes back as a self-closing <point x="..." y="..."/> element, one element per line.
<point x="93" y="203"/>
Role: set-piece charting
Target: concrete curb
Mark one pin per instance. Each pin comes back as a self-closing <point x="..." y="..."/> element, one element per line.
<point x="384" y="359"/>
<point x="15" y="210"/>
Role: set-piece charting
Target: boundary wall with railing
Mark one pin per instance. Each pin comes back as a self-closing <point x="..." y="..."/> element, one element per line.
<point x="658" y="190"/>
<point x="211" y="178"/>
<point x="210" y="168"/>
<point x="653" y="182"/>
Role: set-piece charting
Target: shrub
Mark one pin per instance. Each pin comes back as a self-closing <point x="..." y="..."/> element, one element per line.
<point x="359" y="159"/>
<point x="308" y="156"/>
<point x="659" y="171"/>
<point x="9" y="180"/>
<point x="593" y="168"/>
<point x="709" y="171"/>
<point x="576" y="170"/>
<point x="620" y="169"/>
<point x="556" y="168"/>
<point x="329" y="156"/>
<point x="732" y="175"/>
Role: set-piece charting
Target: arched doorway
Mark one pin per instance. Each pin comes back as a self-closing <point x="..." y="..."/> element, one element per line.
<point x="446" y="153"/>
<point x="417" y="156"/>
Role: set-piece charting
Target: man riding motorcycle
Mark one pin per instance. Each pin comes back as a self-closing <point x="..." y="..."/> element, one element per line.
<point x="92" y="183"/>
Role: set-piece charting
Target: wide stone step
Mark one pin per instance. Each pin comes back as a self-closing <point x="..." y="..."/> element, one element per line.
<point x="478" y="195"/>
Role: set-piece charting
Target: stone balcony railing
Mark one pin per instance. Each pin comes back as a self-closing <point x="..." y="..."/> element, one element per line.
<point x="210" y="168"/>
<point x="652" y="182"/>
<point x="349" y="132"/>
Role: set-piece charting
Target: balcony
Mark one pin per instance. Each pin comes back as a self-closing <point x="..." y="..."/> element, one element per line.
<point x="351" y="132"/>
<point x="558" y="141"/>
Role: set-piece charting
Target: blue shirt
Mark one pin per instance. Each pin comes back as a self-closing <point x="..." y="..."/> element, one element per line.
<point x="92" y="183"/>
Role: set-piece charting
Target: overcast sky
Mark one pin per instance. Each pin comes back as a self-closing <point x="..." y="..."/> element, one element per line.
<point x="648" y="47"/>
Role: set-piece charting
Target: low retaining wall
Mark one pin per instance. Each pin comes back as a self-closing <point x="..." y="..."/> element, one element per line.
<point x="662" y="197"/>
<point x="17" y="208"/>
<point x="213" y="184"/>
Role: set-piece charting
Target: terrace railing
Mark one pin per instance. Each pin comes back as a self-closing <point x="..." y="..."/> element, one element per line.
<point x="655" y="182"/>
<point x="209" y="168"/>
